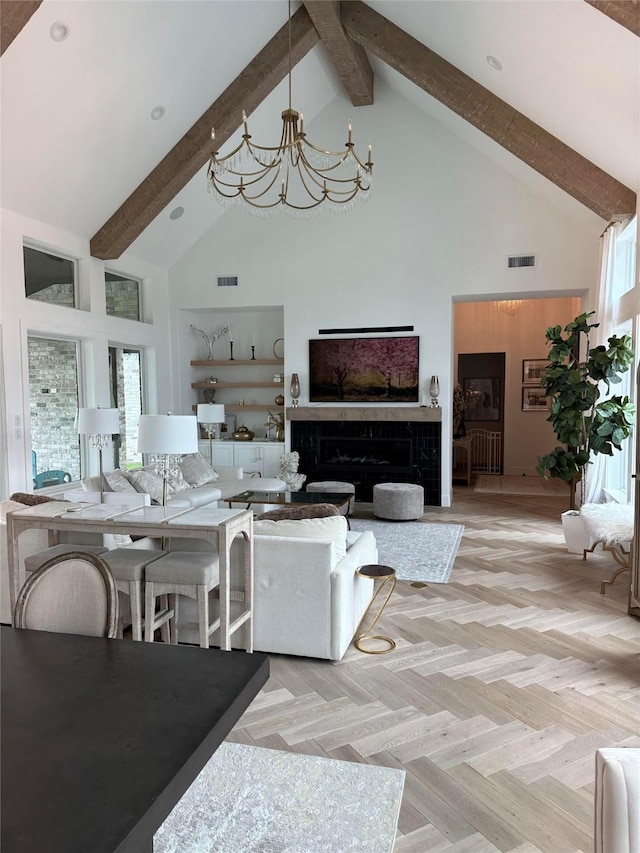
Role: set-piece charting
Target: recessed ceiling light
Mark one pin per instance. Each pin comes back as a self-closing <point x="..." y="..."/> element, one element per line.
<point x="176" y="213"/>
<point x="157" y="112"/>
<point x="59" y="31"/>
<point x="494" y="62"/>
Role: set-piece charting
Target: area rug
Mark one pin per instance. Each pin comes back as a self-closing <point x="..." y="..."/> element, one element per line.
<point x="506" y="484"/>
<point x="417" y="550"/>
<point x="249" y="799"/>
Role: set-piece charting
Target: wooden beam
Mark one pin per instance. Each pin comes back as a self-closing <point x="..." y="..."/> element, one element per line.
<point x="623" y="12"/>
<point x="14" y="15"/>
<point x="248" y="90"/>
<point x="573" y="173"/>
<point x="349" y="58"/>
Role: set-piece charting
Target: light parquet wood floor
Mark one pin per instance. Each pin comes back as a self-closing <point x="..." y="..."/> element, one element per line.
<point x="504" y="683"/>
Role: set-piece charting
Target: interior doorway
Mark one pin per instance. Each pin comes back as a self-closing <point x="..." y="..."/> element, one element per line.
<point x="482" y="377"/>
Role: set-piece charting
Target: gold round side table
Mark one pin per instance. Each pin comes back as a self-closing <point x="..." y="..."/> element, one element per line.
<point x="387" y="576"/>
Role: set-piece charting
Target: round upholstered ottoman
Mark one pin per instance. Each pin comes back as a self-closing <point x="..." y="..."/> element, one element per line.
<point x="398" y="501"/>
<point x="336" y="486"/>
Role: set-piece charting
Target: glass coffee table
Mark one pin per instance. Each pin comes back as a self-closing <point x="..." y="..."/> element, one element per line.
<point x="290" y="498"/>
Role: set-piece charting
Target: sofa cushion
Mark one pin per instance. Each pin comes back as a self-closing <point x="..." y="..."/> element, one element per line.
<point x="196" y="470"/>
<point x="117" y="481"/>
<point x="295" y="512"/>
<point x="330" y="529"/>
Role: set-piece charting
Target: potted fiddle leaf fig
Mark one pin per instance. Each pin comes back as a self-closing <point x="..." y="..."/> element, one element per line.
<point x="583" y="423"/>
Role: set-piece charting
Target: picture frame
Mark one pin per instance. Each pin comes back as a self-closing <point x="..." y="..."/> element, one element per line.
<point x="534" y="399"/>
<point x="532" y="370"/>
<point x="483" y="396"/>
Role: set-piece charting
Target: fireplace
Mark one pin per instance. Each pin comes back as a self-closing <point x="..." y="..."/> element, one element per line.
<point x="386" y="455"/>
<point x="368" y="452"/>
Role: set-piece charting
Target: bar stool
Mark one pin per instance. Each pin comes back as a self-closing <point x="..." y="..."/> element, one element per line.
<point x="128" y="566"/>
<point x="190" y="573"/>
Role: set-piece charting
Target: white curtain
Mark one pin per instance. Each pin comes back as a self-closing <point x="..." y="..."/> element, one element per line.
<point x="595" y="473"/>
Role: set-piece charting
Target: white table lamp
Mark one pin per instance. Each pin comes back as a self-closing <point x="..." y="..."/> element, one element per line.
<point x="166" y="438"/>
<point x="99" y="425"/>
<point x="210" y="415"/>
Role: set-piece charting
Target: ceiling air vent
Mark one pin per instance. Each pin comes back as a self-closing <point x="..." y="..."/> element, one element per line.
<point x="514" y="261"/>
<point x="227" y="281"/>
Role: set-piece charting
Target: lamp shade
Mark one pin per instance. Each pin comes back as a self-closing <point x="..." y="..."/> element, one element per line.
<point x="174" y="434"/>
<point x="98" y="421"/>
<point x="210" y="413"/>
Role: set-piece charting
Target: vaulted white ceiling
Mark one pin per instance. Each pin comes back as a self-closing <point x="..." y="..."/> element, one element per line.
<point x="77" y="135"/>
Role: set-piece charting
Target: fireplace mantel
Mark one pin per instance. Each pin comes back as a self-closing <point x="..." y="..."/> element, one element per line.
<point x="423" y="414"/>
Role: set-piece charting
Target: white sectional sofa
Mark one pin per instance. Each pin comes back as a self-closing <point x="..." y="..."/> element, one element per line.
<point x="200" y="484"/>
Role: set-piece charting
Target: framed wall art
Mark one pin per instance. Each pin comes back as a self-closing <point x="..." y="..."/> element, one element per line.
<point x="532" y="370"/>
<point x="354" y="370"/>
<point x="534" y="399"/>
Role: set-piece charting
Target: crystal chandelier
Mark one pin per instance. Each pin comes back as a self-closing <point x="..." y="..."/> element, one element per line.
<point x="296" y="174"/>
<point x="510" y="307"/>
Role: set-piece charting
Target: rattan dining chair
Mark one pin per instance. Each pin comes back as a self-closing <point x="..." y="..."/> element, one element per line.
<point x="72" y="593"/>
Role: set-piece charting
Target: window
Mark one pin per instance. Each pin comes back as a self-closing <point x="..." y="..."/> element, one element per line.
<point x="53" y="403"/>
<point x="624" y="261"/>
<point x="125" y="370"/>
<point x="49" y="277"/>
<point x="122" y="296"/>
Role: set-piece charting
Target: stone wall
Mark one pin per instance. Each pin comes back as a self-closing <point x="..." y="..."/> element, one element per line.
<point x="53" y="401"/>
<point x="123" y="299"/>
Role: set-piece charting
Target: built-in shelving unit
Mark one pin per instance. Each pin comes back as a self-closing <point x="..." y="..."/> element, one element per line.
<point x="203" y="384"/>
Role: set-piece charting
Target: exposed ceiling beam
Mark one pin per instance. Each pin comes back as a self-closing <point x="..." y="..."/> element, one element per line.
<point x="248" y="90"/>
<point x="14" y="14"/>
<point x="570" y="171"/>
<point x="349" y="58"/>
<point x="623" y="12"/>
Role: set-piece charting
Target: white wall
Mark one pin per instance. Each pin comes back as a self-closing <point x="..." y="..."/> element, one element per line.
<point x="91" y="326"/>
<point x="440" y="224"/>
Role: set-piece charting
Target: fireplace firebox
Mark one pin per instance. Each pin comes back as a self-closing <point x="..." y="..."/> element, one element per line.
<point x="389" y="455"/>
<point x="368" y="452"/>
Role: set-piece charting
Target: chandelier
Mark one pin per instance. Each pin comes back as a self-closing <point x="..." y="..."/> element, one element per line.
<point x="510" y="307"/>
<point x="296" y="175"/>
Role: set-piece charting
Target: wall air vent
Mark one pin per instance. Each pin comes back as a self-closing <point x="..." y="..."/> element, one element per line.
<point x="515" y="261"/>
<point x="227" y="281"/>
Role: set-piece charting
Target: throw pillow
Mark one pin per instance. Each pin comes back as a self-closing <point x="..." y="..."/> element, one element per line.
<point x="330" y="529"/>
<point x="147" y="481"/>
<point x="196" y="470"/>
<point x="31" y="500"/>
<point x="295" y="512"/>
<point x="118" y="481"/>
<point x="177" y="482"/>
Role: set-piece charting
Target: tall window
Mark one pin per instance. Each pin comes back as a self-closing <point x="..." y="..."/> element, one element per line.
<point x="125" y="369"/>
<point x="49" y="277"/>
<point x="122" y="295"/>
<point x="53" y="403"/>
<point x="622" y="279"/>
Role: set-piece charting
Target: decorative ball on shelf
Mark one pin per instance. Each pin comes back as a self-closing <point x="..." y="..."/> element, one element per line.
<point x="279" y="401"/>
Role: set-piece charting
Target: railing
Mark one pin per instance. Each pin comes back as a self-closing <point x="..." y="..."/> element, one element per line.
<point x="486" y="451"/>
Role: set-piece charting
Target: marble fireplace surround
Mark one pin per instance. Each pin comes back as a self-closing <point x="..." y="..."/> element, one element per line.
<point x="421" y="425"/>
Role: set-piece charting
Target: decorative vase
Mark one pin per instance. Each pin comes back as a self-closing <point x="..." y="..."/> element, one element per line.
<point x="460" y="429"/>
<point x="434" y="391"/>
<point x="294" y="389"/>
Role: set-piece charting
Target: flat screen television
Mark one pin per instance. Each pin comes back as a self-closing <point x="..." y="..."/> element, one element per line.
<point x="364" y="370"/>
